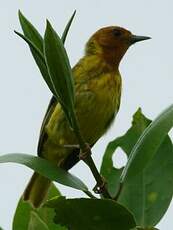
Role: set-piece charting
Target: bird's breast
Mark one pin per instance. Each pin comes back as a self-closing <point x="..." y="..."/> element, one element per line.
<point x="98" y="104"/>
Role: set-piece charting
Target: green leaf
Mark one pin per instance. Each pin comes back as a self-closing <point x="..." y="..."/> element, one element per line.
<point x="59" y="70"/>
<point x="33" y="46"/>
<point x="35" y="42"/>
<point x="126" y="143"/>
<point x="40" y="61"/>
<point x="45" y="168"/>
<point x="151" y="189"/>
<point x="36" y="222"/>
<point x="91" y="214"/>
<point x="24" y="210"/>
<point x="148" y="144"/>
<point x="66" y="30"/>
<point x="31" y="32"/>
<point x="150" y="228"/>
<point x="149" y="193"/>
<point x="53" y="101"/>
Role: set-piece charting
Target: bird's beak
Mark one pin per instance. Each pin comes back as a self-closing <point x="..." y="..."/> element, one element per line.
<point x="136" y="38"/>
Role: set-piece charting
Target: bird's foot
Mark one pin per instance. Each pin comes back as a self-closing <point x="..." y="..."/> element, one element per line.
<point x="84" y="154"/>
<point x="99" y="188"/>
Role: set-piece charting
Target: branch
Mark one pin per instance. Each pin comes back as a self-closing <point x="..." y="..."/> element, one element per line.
<point x="85" y="155"/>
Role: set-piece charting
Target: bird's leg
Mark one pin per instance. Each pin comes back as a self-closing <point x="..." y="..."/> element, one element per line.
<point x="100" y="187"/>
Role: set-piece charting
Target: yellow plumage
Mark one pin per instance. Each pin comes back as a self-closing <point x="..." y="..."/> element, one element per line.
<point x="97" y="100"/>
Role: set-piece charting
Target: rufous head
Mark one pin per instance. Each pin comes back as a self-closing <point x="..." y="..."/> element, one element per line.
<point x="111" y="43"/>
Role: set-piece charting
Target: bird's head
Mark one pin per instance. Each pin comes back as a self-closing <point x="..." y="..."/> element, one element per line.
<point x="111" y="43"/>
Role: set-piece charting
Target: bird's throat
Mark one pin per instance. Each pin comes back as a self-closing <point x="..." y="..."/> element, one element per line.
<point x="112" y="56"/>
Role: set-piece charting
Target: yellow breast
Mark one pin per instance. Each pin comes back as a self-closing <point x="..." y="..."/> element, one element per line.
<point x="98" y="104"/>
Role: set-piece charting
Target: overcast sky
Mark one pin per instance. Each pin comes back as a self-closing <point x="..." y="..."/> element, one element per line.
<point x="147" y="72"/>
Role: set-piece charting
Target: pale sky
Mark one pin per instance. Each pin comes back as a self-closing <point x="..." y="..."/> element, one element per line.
<point x="147" y="73"/>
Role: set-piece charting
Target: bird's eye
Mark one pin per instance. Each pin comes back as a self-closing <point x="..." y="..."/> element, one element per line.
<point x="117" y="33"/>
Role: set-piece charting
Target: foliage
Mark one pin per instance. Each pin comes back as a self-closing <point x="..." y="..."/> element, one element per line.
<point x="151" y="188"/>
<point x="73" y="213"/>
<point x="30" y="216"/>
<point x="45" y="168"/>
<point x="139" y="194"/>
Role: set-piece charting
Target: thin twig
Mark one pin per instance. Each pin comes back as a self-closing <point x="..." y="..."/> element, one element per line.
<point x="89" y="194"/>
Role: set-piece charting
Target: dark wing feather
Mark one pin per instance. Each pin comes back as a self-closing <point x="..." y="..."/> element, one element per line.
<point x="43" y="134"/>
<point x="73" y="158"/>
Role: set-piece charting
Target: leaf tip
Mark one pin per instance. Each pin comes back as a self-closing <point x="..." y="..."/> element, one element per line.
<point x="48" y="24"/>
<point x="22" y="18"/>
<point x="16" y="32"/>
<point x="74" y="13"/>
<point x="20" y="15"/>
<point x="48" y="27"/>
<point x="19" y="12"/>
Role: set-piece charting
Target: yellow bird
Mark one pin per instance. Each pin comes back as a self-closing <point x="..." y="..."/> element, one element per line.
<point x="98" y="93"/>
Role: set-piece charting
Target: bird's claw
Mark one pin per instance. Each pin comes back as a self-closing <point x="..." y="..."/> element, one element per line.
<point x="83" y="154"/>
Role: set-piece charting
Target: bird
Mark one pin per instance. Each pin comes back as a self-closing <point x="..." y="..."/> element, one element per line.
<point x="98" y="86"/>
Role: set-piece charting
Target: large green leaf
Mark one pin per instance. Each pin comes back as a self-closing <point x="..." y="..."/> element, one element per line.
<point x="149" y="193"/>
<point x="24" y="209"/>
<point x="31" y="32"/>
<point x="39" y="57"/>
<point x="33" y="46"/>
<point x="148" y="144"/>
<point x="36" y="222"/>
<point x="150" y="228"/>
<point x="35" y="42"/>
<point x="53" y="100"/>
<point x="91" y="214"/>
<point x="59" y="70"/>
<point x="45" y="168"/>
<point x="126" y="143"/>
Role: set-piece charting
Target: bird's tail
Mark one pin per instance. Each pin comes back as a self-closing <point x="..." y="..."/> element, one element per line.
<point x="36" y="190"/>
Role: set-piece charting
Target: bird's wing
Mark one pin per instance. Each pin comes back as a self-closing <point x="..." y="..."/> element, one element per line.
<point x="52" y="104"/>
<point x="73" y="158"/>
<point x="81" y="98"/>
<point x="43" y="135"/>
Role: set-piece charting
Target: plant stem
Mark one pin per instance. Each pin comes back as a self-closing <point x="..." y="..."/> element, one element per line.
<point x="119" y="191"/>
<point x="85" y="155"/>
<point x="88" y="193"/>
